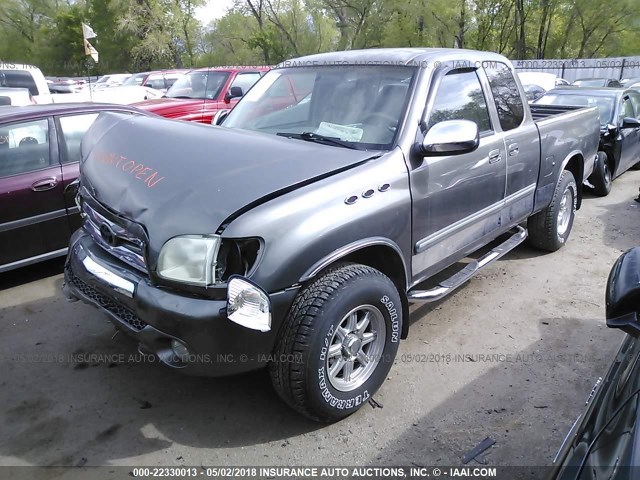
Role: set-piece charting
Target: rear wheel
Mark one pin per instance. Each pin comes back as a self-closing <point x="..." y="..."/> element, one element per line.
<point x="601" y="176"/>
<point x="338" y="342"/>
<point x="550" y="228"/>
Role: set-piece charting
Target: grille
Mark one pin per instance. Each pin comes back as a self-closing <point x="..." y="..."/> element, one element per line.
<point x="120" y="311"/>
<point x="125" y="247"/>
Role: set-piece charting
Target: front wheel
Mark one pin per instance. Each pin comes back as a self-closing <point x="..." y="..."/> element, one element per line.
<point x="549" y="229"/>
<point x="601" y="176"/>
<point x="339" y="341"/>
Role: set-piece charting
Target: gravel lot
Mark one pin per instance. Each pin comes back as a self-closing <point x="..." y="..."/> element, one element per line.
<point x="512" y="355"/>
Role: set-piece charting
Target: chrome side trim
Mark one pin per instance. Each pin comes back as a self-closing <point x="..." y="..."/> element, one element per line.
<point x="116" y="282"/>
<point x="440" y="235"/>
<point x="31" y="260"/>
<point x="25" y="222"/>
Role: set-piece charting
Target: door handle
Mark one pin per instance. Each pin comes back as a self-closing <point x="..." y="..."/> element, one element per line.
<point x="44" y="184"/>
<point x="513" y="149"/>
<point x="494" y="156"/>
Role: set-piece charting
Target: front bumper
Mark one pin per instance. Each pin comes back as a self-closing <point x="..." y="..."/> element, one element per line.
<point x="156" y="315"/>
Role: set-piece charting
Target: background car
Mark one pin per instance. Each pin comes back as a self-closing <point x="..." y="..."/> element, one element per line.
<point x="15" y="96"/>
<point x="603" y="441"/>
<point x="545" y="80"/>
<point x="160" y="80"/>
<point x="619" y="110"/>
<point x="597" y="82"/>
<point x="627" y="82"/>
<point x="200" y="94"/>
<point x="39" y="162"/>
<point x="67" y="85"/>
<point x="111" y="80"/>
<point x="533" y="92"/>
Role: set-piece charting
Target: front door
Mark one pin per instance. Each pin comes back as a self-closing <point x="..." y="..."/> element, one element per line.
<point x="33" y="217"/>
<point x="629" y="137"/>
<point x="457" y="199"/>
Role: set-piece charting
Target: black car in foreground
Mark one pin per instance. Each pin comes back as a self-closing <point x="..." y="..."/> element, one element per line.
<point x="604" y="442"/>
<point x="619" y="148"/>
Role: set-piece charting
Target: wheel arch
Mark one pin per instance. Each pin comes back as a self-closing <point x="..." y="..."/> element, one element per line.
<point x="380" y="253"/>
<point x="574" y="163"/>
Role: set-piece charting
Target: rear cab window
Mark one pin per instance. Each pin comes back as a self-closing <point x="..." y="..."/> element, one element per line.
<point x="506" y="95"/>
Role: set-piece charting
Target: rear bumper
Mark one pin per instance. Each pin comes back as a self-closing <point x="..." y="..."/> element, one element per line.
<point x="155" y="315"/>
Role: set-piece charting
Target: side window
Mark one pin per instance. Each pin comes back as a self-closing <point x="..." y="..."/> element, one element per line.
<point x="245" y="80"/>
<point x="626" y="109"/>
<point x="18" y="79"/>
<point x="635" y="100"/>
<point x="171" y="79"/>
<point x="506" y="95"/>
<point x="155" y="81"/>
<point x="460" y="97"/>
<point x="73" y="129"/>
<point x="24" y="147"/>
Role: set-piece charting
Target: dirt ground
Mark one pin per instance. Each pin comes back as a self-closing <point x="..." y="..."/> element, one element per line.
<point x="512" y="356"/>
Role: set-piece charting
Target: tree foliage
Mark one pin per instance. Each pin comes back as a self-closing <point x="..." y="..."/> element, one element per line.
<point x="137" y="35"/>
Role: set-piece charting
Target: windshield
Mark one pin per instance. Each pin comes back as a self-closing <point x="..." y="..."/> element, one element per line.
<point x="604" y="104"/>
<point x="135" y="79"/>
<point x="199" y="85"/>
<point x="359" y="106"/>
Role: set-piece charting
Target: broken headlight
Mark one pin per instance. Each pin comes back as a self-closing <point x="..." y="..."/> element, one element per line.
<point x="206" y="260"/>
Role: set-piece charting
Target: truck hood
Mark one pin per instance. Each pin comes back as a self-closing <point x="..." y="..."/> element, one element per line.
<point x="178" y="178"/>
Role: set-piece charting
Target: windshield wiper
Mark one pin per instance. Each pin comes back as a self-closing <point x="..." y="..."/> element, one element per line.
<point x="314" y="137"/>
<point x="182" y="96"/>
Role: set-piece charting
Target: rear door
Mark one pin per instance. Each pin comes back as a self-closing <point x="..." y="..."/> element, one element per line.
<point x="521" y="139"/>
<point x="33" y="217"/>
<point x="457" y="199"/>
<point x="629" y="137"/>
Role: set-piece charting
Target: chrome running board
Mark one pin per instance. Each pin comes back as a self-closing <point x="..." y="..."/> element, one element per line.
<point x="447" y="286"/>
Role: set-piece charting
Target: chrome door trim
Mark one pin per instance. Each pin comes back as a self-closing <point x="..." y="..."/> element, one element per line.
<point x="446" y="232"/>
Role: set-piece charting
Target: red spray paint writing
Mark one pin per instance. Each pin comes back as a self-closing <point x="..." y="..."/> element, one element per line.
<point x="137" y="170"/>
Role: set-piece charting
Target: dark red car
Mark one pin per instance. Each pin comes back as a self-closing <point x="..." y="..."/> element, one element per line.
<point x="200" y="94"/>
<point x="39" y="163"/>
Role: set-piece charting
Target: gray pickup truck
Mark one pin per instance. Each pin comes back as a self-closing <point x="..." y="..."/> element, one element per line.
<point x="296" y="234"/>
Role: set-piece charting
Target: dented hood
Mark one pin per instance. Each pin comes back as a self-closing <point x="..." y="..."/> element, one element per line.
<point x="178" y="178"/>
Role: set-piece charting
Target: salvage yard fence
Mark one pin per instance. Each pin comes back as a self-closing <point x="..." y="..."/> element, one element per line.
<point x="575" y="68"/>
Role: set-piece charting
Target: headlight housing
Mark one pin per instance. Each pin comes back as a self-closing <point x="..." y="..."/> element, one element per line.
<point x="190" y="259"/>
<point x="248" y="305"/>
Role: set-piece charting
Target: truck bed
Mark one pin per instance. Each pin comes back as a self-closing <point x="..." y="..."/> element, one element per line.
<point x="564" y="131"/>
<point x="539" y="112"/>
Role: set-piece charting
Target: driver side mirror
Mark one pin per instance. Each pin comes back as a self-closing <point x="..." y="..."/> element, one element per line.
<point x="623" y="293"/>
<point x="451" y="137"/>
<point x="234" y="92"/>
